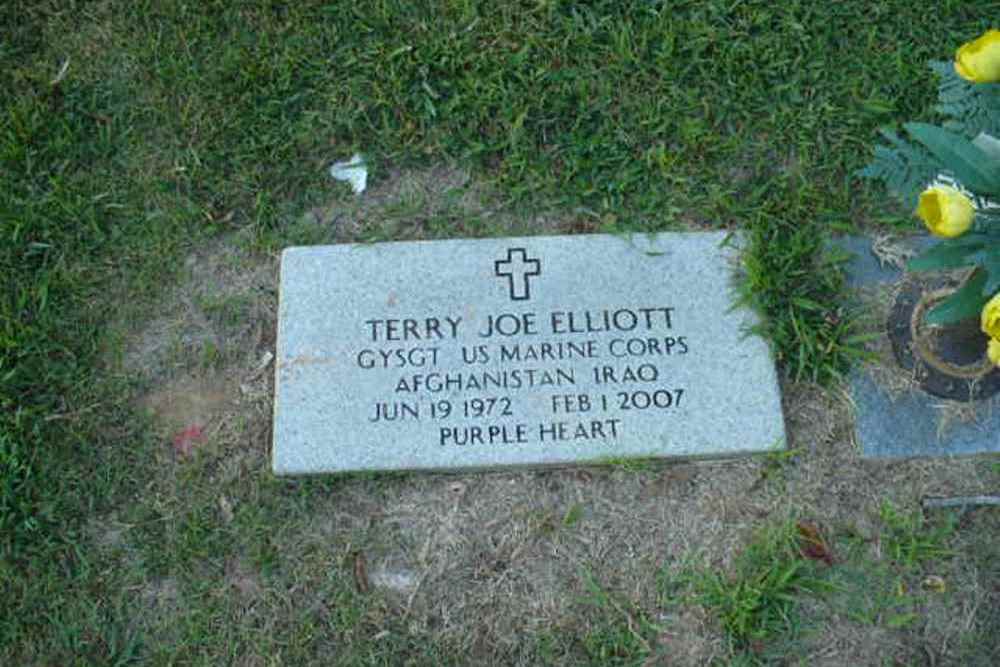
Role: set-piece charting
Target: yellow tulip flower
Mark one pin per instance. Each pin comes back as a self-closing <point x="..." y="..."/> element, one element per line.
<point x="979" y="60"/>
<point x="993" y="351"/>
<point x="989" y="318"/>
<point x="946" y="211"/>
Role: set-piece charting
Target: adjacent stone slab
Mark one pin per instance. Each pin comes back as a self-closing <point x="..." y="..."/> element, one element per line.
<point x="516" y="351"/>
<point x="894" y="425"/>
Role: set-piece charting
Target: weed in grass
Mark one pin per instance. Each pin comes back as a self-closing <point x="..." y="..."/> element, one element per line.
<point x="211" y="355"/>
<point x="909" y="541"/>
<point x="980" y="554"/>
<point x="873" y="594"/>
<point x="572" y="515"/>
<point x="890" y="592"/>
<point x="623" y="635"/>
<point x="631" y="464"/>
<point x="613" y="643"/>
<point x="774" y="464"/>
<point x="755" y="601"/>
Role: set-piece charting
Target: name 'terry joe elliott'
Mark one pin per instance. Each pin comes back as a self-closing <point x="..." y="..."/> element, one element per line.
<point x="407" y="343"/>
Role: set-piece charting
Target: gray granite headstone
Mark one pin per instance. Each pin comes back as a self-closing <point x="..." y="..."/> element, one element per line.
<point x="894" y="425"/>
<point x="450" y="355"/>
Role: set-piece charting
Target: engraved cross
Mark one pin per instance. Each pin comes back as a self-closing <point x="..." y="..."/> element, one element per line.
<point x="517" y="268"/>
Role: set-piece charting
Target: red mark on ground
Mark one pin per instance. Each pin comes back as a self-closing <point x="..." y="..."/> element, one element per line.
<point x="185" y="441"/>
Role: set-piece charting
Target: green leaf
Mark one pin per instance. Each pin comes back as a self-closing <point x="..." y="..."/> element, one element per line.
<point x="947" y="255"/>
<point x="972" y="107"/>
<point x="966" y="302"/>
<point x="897" y="621"/>
<point x="808" y="304"/>
<point x="905" y="167"/>
<point x="971" y="166"/>
<point x="573" y="515"/>
<point x="971" y="239"/>
<point x="992" y="268"/>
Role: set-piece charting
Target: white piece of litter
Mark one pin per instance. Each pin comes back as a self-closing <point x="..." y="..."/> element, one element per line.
<point x="265" y="361"/>
<point x="354" y="171"/>
<point x="61" y="75"/>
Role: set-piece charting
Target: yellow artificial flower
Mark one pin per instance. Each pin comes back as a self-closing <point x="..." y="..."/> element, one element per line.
<point x="993" y="351"/>
<point x="945" y="211"/>
<point x="979" y="60"/>
<point x="989" y="319"/>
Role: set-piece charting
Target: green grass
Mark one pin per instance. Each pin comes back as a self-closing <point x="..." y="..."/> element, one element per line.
<point x="889" y="591"/>
<point x="623" y="635"/>
<point x="756" y="601"/>
<point x="179" y="122"/>
<point x="797" y="286"/>
<point x="910" y="541"/>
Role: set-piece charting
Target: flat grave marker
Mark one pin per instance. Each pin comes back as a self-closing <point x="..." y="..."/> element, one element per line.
<point x="490" y="353"/>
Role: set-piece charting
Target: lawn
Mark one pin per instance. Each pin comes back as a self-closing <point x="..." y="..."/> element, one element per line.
<point x="155" y="157"/>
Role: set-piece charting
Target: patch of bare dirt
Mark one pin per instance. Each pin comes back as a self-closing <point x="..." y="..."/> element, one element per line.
<point x="687" y="640"/>
<point x="243" y="579"/>
<point x="188" y="400"/>
<point x="204" y="362"/>
<point x="160" y="597"/>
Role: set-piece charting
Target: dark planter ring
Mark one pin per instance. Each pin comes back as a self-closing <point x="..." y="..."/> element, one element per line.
<point x="935" y="375"/>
